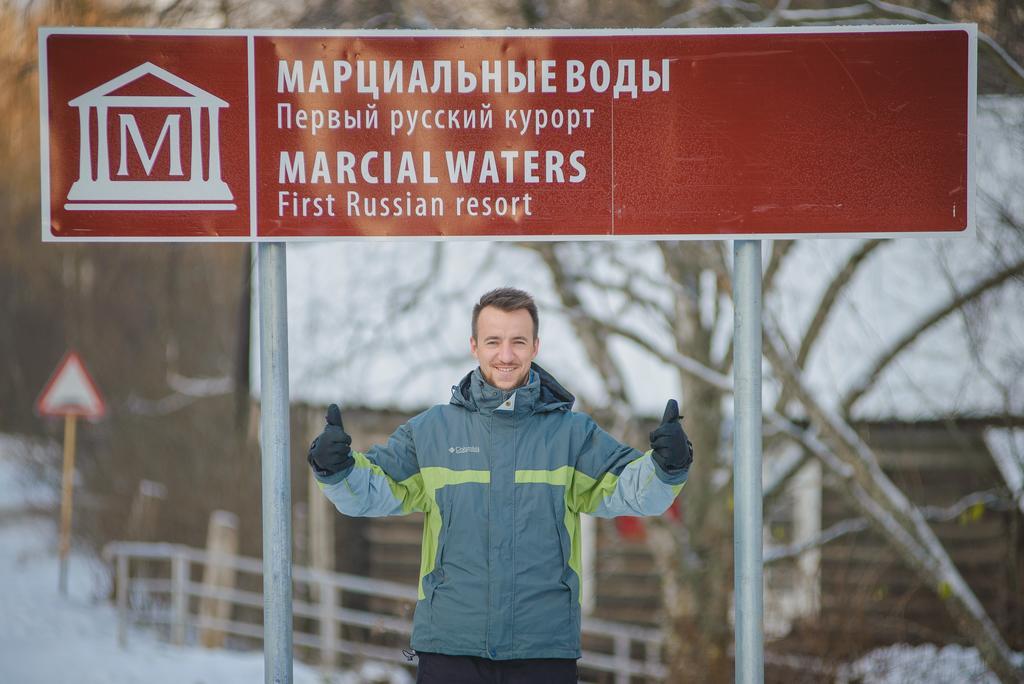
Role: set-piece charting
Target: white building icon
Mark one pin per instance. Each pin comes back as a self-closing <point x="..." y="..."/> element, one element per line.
<point x="113" y="189"/>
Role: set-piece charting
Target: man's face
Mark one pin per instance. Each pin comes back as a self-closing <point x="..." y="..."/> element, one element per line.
<point x="504" y="346"/>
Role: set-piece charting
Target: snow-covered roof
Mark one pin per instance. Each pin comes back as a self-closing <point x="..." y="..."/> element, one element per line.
<point x="387" y="324"/>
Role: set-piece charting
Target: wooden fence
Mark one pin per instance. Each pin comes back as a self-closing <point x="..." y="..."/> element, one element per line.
<point x="336" y="616"/>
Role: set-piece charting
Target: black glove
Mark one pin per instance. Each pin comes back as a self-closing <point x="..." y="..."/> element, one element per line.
<point x="673" y="450"/>
<point x="331" y="451"/>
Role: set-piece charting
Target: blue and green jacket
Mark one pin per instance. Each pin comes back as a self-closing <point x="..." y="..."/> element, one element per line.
<point x="502" y="477"/>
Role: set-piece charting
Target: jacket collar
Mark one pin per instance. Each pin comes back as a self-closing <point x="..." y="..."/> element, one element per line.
<point x="540" y="394"/>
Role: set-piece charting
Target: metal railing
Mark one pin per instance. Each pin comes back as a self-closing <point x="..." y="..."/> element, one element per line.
<point x="335" y="615"/>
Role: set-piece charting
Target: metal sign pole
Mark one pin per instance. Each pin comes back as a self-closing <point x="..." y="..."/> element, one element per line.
<point x="275" y="450"/>
<point x="67" y="493"/>
<point x="747" y="495"/>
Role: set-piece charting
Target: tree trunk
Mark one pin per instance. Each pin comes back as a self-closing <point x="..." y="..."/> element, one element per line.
<point x="698" y="590"/>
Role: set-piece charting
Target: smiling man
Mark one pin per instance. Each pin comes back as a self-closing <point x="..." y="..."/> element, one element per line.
<point x="502" y="473"/>
<point x="509" y="342"/>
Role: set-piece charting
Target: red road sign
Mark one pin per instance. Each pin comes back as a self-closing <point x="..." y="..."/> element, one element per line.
<point x="519" y="135"/>
<point x="71" y="391"/>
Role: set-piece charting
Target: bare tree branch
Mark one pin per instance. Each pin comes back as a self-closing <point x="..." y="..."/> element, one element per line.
<point x="1010" y="62"/>
<point x="974" y="332"/>
<point x="1009" y="459"/>
<point x="830" y="14"/>
<point x="626" y="289"/>
<point x="834" y="532"/>
<point x="780" y="250"/>
<point x="859" y="12"/>
<point x="164" y="14"/>
<point x="782" y="472"/>
<point x="684" y="363"/>
<point x="932" y="19"/>
<point x="894" y="516"/>
<point x="773" y="16"/>
<point x="585" y="328"/>
<point x="868" y="379"/>
<point x="990" y="498"/>
<point x="731" y="7"/>
<point x="825" y="307"/>
<point x="831" y="296"/>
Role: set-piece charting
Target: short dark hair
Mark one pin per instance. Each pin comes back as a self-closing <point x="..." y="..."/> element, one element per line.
<point x="507" y="299"/>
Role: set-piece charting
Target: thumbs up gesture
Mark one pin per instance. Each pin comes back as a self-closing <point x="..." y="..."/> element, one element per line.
<point x="331" y="451"/>
<point x="672" y="449"/>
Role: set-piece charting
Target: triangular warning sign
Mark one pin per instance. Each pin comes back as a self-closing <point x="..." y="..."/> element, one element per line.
<point x="71" y="391"/>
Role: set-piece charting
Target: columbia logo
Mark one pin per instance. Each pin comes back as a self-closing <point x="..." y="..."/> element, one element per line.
<point x="464" y="450"/>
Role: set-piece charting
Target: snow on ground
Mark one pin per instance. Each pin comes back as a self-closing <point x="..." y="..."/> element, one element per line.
<point x="925" y="664"/>
<point x="25" y="469"/>
<point x="46" y="638"/>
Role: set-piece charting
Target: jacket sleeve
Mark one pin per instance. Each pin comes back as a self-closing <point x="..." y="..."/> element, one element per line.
<point x="386" y="480"/>
<point x="612" y="479"/>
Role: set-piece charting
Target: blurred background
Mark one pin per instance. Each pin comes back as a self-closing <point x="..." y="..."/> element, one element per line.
<point x="893" y="393"/>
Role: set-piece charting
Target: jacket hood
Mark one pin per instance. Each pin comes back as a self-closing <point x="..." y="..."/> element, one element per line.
<point x="541" y="390"/>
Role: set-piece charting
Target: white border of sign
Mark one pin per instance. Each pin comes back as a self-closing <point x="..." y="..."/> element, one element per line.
<point x="251" y="34"/>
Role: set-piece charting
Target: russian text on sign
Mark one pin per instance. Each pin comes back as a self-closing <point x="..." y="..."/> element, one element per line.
<point x="489" y="76"/>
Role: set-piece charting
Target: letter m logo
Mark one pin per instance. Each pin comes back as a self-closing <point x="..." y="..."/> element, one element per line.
<point x="171" y="128"/>
<point x="104" y="186"/>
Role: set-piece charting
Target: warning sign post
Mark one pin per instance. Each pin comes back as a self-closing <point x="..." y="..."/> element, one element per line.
<point x="70" y="392"/>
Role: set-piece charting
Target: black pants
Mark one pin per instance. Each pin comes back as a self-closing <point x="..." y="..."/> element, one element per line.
<point x="436" y="668"/>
